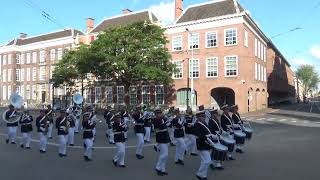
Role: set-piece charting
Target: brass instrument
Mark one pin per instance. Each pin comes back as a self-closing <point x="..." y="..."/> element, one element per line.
<point x="77" y="99"/>
<point x="16" y="101"/>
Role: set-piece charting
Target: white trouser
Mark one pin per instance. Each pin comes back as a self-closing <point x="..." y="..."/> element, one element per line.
<point x="111" y="135"/>
<point x="50" y="130"/>
<point x="171" y="134"/>
<point x="63" y="144"/>
<point x="191" y="143"/>
<point x="26" y="139"/>
<point x="163" y="156"/>
<point x="147" y="135"/>
<point x="239" y="146"/>
<point x="126" y="134"/>
<point x="76" y="127"/>
<point x="140" y="143"/>
<point x="180" y="149"/>
<point x="71" y="135"/>
<point x="205" y="163"/>
<point x="43" y="141"/>
<point x="88" y="149"/>
<point x="12" y="133"/>
<point x="94" y="133"/>
<point x="119" y="157"/>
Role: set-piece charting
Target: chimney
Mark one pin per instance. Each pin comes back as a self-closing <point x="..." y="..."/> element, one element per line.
<point x="126" y="11"/>
<point x="178" y="9"/>
<point x="90" y="25"/>
<point x="22" y="35"/>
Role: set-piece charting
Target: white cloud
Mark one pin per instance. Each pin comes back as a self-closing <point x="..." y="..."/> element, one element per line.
<point x="164" y="11"/>
<point x="315" y="51"/>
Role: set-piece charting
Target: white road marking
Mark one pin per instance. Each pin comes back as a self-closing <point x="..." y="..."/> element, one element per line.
<point x="260" y="119"/>
<point x="317" y="122"/>
<point x="271" y="119"/>
<point x="305" y="122"/>
<point x="283" y="120"/>
<point x="293" y="121"/>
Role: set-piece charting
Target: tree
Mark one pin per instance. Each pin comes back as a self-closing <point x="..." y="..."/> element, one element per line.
<point x="309" y="78"/>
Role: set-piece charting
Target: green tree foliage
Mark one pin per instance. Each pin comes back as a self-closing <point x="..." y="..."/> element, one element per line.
<point x="309" y="78"/>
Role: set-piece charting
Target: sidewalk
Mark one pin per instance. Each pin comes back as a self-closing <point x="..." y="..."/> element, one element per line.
<point x="295" y="114"/>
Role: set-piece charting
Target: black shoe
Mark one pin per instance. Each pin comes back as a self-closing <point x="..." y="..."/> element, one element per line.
<point x="86" y="158"/>
<point x="231" y="158"/>
<point x="194" y="154"/>
<point x="71" y="144"/>
<point x="13" y="142"/>
<point x="139" y="156"/>
<point x="42" y="152"/>
<point x="155" y="148"/>
<point x="180" y="162"/>
<point x="122" y="166"/>
<point x="28" y="147"/>
<point x="159" y="173"/>
<point x="112" y="143"/>
<point x="219" y="168"/>
<point x="240" y="151"/>
<point x="21" y="145"/>
<point x="147" y="141"/>
<point x="61" y="155"/>
<point x="201" y="178"/>
<point x="114" y="163"/>
<point x="7" y="141"/>
<point x="171" y="144"/>
<point x="165" y="173"/>
<point x="212" y="167"/>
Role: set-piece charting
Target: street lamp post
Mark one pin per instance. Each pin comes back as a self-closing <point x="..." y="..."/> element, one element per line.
<point x="192" y="56"/>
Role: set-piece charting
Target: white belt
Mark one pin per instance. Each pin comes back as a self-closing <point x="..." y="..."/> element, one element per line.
<point x="139" y="124"/>
<point x="118" y="132"/>
<point x="88" y="129"/>
<point x="163" y="130"/>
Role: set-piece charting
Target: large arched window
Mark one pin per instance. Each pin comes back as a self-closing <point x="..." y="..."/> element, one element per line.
<point x="184" y="95"/>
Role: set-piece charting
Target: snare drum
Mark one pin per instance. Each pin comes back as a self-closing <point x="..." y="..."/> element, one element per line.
<point x="240" y="137"/>
<point x="248" y="131"/>
<point x="228" y="141"/>
<point x="219" y="152"/>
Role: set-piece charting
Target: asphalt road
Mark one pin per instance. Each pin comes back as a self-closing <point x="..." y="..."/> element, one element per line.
<point x="280" y="149"/>
<point x="310" y="107"/>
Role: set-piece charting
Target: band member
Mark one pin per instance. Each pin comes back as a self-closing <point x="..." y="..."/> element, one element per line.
<point x="118" y="130"/>
<point x="89" y="111"/>
<point x="26" y="129"/>
<point x="191" y="143"/>
<point x="148" y="118"/>
<point x="245" y="126"/>
<point x="125" y="119"/>
<point x="178" y="123"/>
<point x="161" y="124"/>
<point x="76" y="110"/>
<point x="139" y="130"/>
<point x="71" y="117"/>
<point x="12" y="127"/>
<point x="204" y="145"/>
<point x="108" y="116"/>
<point x="88" y="125"/>
<point x="42" y="126"/>
<point x="50" y="114"/>
<point x="238" y="134"/>
<point x="170" y="115"/>
<point x="226" y="125"/>
<point x="62" y="126"/>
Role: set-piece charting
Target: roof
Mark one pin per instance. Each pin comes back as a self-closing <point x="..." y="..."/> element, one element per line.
<point x="45" y="37"/>
<point x="124" y="20"/>
<point x="210" y="9"/>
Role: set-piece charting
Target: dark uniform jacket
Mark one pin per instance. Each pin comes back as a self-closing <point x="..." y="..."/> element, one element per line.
<point x="148" y="119"/>
<point x="201" y="130"/>
<point x="10" y="114"/>
<point x="188" y="125"/>
<point x="26" y="123"/>
<point x="161" y="129"/>
<point x="226" y="121"/>
<point x="118" y="131"/>
<point x="214" y="126"/>
<point x="72" y="120"/>
<point x="236" y="118"/>
<point x="108" y="117"/>
<point x="139" y="122"/>
<point x="88" y="127"/>
<point x="61" y="124"/>
<point x="50" y="115"/>
<point x="41" y="124"/>
<point x="177" y="123"/>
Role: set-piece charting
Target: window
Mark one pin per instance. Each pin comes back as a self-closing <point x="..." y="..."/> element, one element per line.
<point x="4" y="62"/>
<point x="265" y="74"/>
<point x="34" y="74"/>
<point x="4" y="92"/>
<point x="194" y="41"/>
<point x="28" y="74"/>
<point x="212" y="67"/>
<point x="52" y="54"/>
<point x="109" y="95"/>
<point x="265" y="54"/>
<point x="9" y="91"/>
<point x="145" y="94"/>
<point x="9" y="58"/>
<point x="261" y="51"/>
<point x="255" y="71"/>
<point x="98" y="95"/>
<point x="159" y="91"/>
<point x="88" y="95"/>
<point x="34" y="92"/>
<point x="51" y="71"/>
<point x="256" y="47"/>
<point x="18" y="56"/>
<point x="120" y="94"/>
<point x="177" y="43"/>
<point x="18" y="74"/>
<point x="246" y="39"/>
<point x="28" y="92"/>
<point x="230" y="37"/>
<point x="133" y="95"/>
<point x="9" y="75"/>
<point x="22" y="75"/>
<point x="4" y="75"/>
<point x="194" y="68"/>
<point x="34" y="57"/>
<point x="178" y="74"/>
<point x="22" y="58"/>
<point x="42" y="73"/>
<point x="60" y="53"/>
<point x="259" y="73"/>
<point x="22" y="92"/>
<point x="231" y="66"/>
<point x="18" y="90"/>
<point x="42" y="56"/>
<point x="28" y="58"/>
<point x="259" y="47"/>
<point x="211" y="39"/>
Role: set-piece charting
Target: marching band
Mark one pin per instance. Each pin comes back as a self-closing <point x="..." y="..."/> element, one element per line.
<point x="205" y="134"/>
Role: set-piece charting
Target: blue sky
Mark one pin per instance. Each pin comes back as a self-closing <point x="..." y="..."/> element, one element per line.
<point x="273" y="16"/>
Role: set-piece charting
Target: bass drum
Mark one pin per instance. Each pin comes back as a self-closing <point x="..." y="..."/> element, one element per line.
<point x="219" y="152"/>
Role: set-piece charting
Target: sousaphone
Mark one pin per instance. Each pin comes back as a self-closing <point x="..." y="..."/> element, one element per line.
<point x="16" y="101"/>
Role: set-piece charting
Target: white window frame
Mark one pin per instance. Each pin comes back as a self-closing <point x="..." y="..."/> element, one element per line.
<point x="255" y="71"/>
<point x="34" y="74"/>
<point x="18" y="75"/>
<point x="109" y="92"/>
<point x="28" y="92"/>
<point x="53" y="54"/>
<point x="60" y="53"/>
<point x="28" y="58"/>
<point x="145" y="93"/>
<point x="34" y="56"/>
<point x="225" y="65"/>
<point x="34" y="92"/>
<point x="259" y="49"/>
<point x="259" y="73"/>
<point x="22" y="58"/>
<point x="246" y="38"/>
<point x="174" y="45"/>
<point x="42" y="57"/>
<point x="51" y="71"/>
<point x="9" y="75"/>
<point x="225" y="37"/>
<point x="191" y="68"/>
<point x="189" y="40"/>
<point x="4" y="59"/>
<point x="123" y="94"/>
<point x="134" y="95"/>
<point x="9" y="58"/>
<point x="175" y="75"/>
<point x="28" y="74"/>
<point x="4" y="92"/>
<point x="265" y="74"/>
<point x="18" y="57"/>
<point x="207" y="66"/>
<point x="216" y="34"/>
<point x="9" y="91"/>
<point x="156" y="94"/>
<point x="42" y="73"/>
<point x="97" y="99"/>
<point x="256" y="47"/>
<point x="4" y="75"/>
<point x="265" y="54"/>
<point x="22" y="74"/>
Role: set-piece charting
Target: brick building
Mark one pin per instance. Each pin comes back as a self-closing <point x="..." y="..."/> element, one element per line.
<point x="27" y="63"/>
